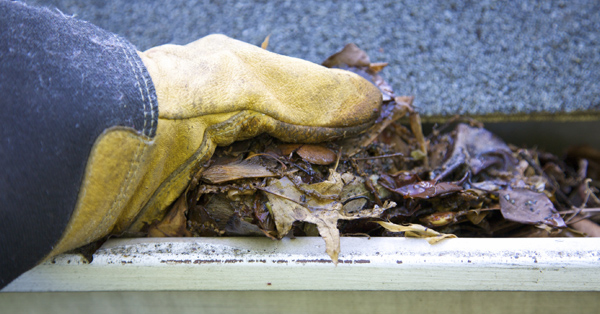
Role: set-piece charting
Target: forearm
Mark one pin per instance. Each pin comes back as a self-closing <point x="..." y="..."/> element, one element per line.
<point x="63" y="83"/>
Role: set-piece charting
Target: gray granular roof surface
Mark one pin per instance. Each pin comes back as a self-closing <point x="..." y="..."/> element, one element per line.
<point x="455" y="57"/>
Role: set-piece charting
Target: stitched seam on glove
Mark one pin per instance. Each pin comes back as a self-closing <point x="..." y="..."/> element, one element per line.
<point x="147" y="93"/>
<point x="131" y="174"/>
<point x="148" y="130"/>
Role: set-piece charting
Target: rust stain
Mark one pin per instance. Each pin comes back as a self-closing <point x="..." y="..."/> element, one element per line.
<point x="175" y="261"/>
<point x="207" y="261"/>
<point x="310" y="261"/>
<point x="233" y="261"/>
<point x="264" y="261"/>
<point x="398" y="262"/>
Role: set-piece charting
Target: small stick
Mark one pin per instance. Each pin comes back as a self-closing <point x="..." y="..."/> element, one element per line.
<point x="580" y="210"/>
<point x="270" y="156"/>
<point x="382" y="156"/>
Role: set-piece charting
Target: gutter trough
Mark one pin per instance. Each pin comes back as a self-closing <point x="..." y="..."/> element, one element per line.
<point x="393" y="264"/>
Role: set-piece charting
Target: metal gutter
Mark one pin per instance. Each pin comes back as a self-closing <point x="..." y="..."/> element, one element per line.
<point x="394" y="264"/>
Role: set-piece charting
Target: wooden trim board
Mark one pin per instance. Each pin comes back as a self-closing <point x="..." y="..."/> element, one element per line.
<point x="302" y="302"/>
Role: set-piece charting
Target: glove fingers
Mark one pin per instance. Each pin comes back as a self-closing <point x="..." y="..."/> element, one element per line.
<point x="248" y="124"/>
<point x="217" y="74"/>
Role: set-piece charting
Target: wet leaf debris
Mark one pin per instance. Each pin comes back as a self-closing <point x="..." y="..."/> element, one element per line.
<point x="460" y="180"/>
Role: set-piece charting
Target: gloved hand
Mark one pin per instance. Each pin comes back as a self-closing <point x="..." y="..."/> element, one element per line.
<point x="210" y="92"/>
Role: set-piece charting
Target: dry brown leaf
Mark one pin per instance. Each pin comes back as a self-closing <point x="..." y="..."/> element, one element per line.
<point x="352" y="146"/>
<point x="476" y="216"/>
<point x="317" y="154"/>
<point x="289" y="204"/>
<point x="210" y="219"/>
<point x="590" y="228"/>
<point x="286" y="149"/>
<point x="479" y="149"/>
<point x="377" y="66"/>
<point x="351" y="55"/>
<point x="314" y="154"/>
<point x="440" y="219"/>
<point x="417" y="231"/>
<point x="265" y="43"/>
<point x="248" y="168"/>
<point x="529" y="207"/>
<point x="174" y="223"/>
<point x="425" y="189"/>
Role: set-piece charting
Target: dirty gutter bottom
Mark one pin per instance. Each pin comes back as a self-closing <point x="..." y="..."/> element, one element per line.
<point x="170" y="264"/>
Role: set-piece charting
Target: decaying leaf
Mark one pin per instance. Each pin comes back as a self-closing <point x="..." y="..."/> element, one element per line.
<point x="476" y="216"/>
<point x="354" y="59"/>
<point x="174" y="223"/>
<point x="249" y="168"/>
<point x="529" y="207"/>
<point x="401" y="178"/>
<point x="290" y="204"/>
<point x="587" y="227"/>
<point x="202" y="223"/>
<point x="314" y="154"/>
<point x="479" y="149"/>
<point x="317" y="154"/>
<point x="427" y="189"/>
<point x="390" y="114"/>
<point x="351" y="55"/>
<point x="417" y="231"/>
<point x="440" y="219"/>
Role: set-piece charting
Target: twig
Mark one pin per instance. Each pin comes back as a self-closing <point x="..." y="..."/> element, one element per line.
<point x="382" y="156"/>
<point x="348" y="200"/>
<point x="283" y="196"/>
<point x="270" y="156"/>
<point x="580" y="210"/>
<point x="303" y="204"/>
<point x="337" y="160"/>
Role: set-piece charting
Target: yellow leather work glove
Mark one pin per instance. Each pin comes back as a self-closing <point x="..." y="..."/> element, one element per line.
<point x="210" y="92"/>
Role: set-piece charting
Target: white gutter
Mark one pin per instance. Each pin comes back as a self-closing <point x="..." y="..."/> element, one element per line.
<point x="146" y="264"/>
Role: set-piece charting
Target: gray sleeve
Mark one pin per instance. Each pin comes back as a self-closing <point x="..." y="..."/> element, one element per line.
<point x="62" y="83"/>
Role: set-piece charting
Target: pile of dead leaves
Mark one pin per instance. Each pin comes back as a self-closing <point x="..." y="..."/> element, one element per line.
<point x="391" y="181"/>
